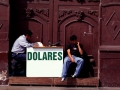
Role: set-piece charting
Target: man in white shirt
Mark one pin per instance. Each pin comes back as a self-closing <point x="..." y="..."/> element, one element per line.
<point x="19" y="47"/>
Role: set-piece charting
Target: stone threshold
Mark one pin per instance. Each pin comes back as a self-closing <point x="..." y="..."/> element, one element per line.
<point x="52" y="81"/>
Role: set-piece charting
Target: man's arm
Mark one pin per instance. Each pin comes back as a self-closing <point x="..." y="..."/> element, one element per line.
<point x="38" y="44"/>
<point x="70" y="56"/>
<point x="24" y="43"/>
<point x="79" y="48"/>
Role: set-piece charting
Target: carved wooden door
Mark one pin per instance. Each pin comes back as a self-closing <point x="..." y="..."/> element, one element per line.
<point x="79" y="18"/>
<point x="56" y="20"/>
<point x="35" y="15"/>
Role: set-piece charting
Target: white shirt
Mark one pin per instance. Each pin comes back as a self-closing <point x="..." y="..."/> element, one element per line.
<point x="21" y="44"/>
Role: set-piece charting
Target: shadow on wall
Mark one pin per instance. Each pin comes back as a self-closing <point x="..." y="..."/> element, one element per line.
<point x="18" y="24"/>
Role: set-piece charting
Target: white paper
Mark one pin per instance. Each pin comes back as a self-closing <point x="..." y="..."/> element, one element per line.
<point x="39" y="44"/>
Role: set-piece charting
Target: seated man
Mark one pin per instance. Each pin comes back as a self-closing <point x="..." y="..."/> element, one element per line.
<point x="73" y="55"/>
<point x="19" y="47"/>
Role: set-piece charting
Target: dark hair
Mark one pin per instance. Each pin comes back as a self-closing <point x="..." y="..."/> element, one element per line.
<point x="73" y="37"/>
<point x="28" y="32"/>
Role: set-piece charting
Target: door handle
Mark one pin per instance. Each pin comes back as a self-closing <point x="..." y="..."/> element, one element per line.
<point x="84" y="33"/>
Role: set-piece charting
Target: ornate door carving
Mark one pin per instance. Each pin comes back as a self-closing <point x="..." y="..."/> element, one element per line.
<point x="78" y="20"/>
<point x="36" y="15"/>
<point x="56" y="20"/>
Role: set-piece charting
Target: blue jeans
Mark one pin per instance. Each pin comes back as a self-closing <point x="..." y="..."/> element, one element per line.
<point x="19" y="57"/>
<point x="18" y="64"/>
<point x="79" y="61"/>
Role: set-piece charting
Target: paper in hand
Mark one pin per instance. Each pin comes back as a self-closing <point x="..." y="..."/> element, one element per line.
<point x="38" y="44"/>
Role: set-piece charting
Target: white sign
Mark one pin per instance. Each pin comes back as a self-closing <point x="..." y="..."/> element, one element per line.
<point x="44" y="62"/>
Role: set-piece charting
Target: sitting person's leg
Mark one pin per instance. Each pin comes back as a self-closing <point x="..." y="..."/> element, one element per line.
<point x="20" y="68"/>
<point x="66" y="65"/>
<point x="13" y="64"/>
<point x="21" y="57"/>
<point x="79" y="61"/>
<point x="22" y="60"/>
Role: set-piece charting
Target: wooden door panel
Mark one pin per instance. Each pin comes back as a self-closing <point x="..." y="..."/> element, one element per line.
<point x="35" y="16"/>
<point x="110" y="26"/>
<point x="79" y="2"/>
<point x="85" y="30"/>
<point x="87" y="42"/>
<point x="33" y="1"/>
<point x="57" y="22"/>
<point x="81" y="31"/>
<point x="81" y="19"/>
<point x="31" y="25"/>
<point x="37" y="32"/>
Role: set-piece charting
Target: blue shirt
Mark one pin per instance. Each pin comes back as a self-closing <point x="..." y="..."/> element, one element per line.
<point x="20" y="45"/>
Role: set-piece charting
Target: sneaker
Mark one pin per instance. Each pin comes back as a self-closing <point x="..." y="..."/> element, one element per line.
<point x="74" y="76"/>
<point x="63" y="79"/>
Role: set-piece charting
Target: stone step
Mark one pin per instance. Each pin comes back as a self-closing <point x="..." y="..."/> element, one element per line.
<point x="91" y="81"/>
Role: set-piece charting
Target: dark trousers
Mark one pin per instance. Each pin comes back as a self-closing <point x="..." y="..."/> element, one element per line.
<point x="18" y="64"/>
<point x="19" y="56"/>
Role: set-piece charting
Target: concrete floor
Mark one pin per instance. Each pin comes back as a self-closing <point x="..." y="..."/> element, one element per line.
<point x="55" y="88"/>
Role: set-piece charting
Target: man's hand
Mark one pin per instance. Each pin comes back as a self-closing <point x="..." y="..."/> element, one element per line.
<point x="72" y="60"/>
<point x="35" y="45"/>
<point x="78" y="43"/>
<point x="70" y="56"/>
<point x="80" y="50"/>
